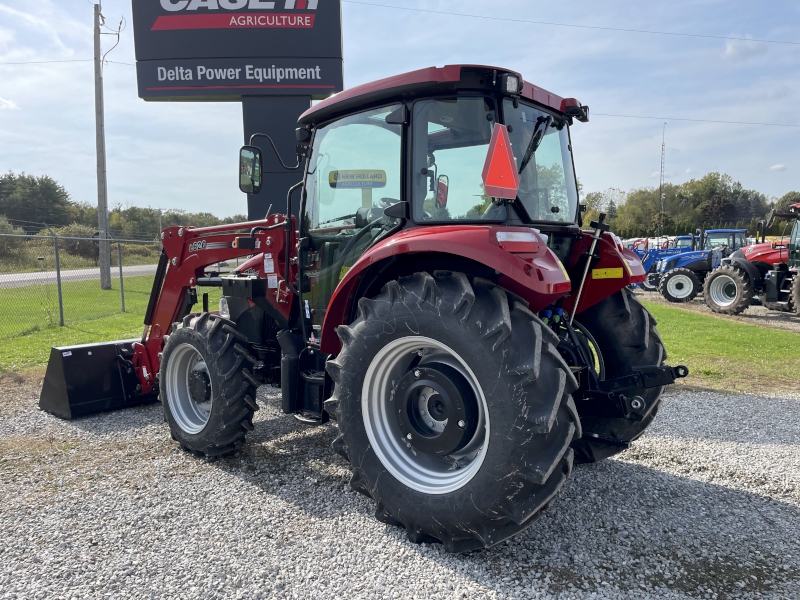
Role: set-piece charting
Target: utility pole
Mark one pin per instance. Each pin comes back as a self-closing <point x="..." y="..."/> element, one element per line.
<point x="102" y="184"/>
<point x="661" y="183"/>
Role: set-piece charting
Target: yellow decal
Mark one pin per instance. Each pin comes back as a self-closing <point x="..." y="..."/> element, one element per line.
<point x="627" y="266"/>
<point x="607" y="273"/>
<point x="357" y="179"/>
<point x="564" y="271"/>
<point x="343" y="273"/>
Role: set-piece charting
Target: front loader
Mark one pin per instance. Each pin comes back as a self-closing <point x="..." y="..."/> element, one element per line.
<point x="437" y="298"/>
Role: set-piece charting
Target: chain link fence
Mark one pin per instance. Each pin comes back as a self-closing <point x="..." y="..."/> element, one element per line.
<point x="49" y="281"/>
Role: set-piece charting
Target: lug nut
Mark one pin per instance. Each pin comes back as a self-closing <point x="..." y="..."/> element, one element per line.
<point x="417" y="373"/>
<point x="409" y="436"/>
<point x="462" y="424"/>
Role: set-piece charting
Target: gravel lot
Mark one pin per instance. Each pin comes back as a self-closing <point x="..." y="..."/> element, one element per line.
<point x="707" y="505"/>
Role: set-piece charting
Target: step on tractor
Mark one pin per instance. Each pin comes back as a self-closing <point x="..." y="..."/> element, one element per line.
<point x="764" y="273"/>
<point x="652" y="254"/>
<point x="436" y="298"/>
<point x="680" y="278"/>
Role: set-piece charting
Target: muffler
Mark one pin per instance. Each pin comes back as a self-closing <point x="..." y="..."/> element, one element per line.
<point x="91" y="378"/>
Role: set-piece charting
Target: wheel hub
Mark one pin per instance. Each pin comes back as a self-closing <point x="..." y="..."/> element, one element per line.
<point x="436" y="409"/>
<point x="200" y="386"/>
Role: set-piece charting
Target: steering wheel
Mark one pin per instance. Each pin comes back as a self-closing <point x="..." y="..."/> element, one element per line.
<point x="351" y="243"/>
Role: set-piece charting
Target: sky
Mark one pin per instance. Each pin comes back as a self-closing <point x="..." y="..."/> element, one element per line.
<point x="184" y="155"/>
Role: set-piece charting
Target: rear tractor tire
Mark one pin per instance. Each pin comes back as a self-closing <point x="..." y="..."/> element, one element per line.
<point x="728" y="291"/>
<point x="626" y="337"/>
<point x="206" y="386"/>
<point x="454" y="410"/>
<point x="679" y="285"/>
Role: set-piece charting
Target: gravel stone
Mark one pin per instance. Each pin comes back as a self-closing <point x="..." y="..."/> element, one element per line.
<point x="705" y="505"/>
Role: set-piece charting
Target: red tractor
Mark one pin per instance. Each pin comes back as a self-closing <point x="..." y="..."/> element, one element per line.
<point x="766" y="271"/>
<point x="437" y="298"/>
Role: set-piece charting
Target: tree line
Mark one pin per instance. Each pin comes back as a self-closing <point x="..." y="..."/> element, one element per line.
<point x="27" y="202"/>
<point x="713" y="201"/>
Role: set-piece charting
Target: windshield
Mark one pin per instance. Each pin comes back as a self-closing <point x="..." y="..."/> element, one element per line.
<point x="683" y="244"/>
<point x="542" y="150"/>
<point x="731" y="240"/>
<point x="451" y="140"/>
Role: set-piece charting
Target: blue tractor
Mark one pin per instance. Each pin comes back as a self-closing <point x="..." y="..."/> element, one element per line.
<point x="651" y="257"/>
<point x="680" y="278"/>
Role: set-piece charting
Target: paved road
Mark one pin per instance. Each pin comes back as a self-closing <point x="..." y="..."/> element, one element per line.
<point x="15" y="280"/>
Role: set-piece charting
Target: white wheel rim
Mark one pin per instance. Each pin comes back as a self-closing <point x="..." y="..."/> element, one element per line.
<point x="190" y="414"/>
<point x="723" y="290"/>
<point x="680" y="286"/>
<point x="422" y="472"/>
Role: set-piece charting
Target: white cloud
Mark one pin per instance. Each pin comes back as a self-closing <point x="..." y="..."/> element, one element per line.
<point x="777" y="168"/>
<point x="741" y="50"/>
<point x="7" y="104"/>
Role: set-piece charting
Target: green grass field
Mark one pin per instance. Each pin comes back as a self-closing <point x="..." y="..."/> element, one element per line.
<point x="34" y="308"/>
<point x="725" y="354"/>
<point x="720" y="353"/>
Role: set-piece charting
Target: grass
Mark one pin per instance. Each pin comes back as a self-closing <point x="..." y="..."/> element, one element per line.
<point x="91" y="315"/>
<point x="720" y="353"/>
<point x="728" y="355"/>
<point x="34" y="308"/>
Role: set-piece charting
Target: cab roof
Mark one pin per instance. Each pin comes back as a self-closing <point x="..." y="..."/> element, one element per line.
<point x="426" y="82"/>
<point x="726" y="231"/>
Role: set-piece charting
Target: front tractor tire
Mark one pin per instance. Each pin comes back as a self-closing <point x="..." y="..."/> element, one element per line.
<point x="626" y="337"/>
<point x="206" y="386"/>
<point x="679" y="285"/>
<point x="727" y="291"/>
<point x="454" y="410"/>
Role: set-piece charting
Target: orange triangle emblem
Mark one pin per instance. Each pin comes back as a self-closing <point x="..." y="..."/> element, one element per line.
<point x="500" y="175"/>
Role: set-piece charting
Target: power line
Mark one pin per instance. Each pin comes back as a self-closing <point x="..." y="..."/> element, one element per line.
<point x="554" y="24"/>
<point x="597" y="114"/>
<point x="47" y="62"/>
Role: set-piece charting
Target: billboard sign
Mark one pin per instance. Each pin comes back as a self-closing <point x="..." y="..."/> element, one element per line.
<point x="225" y="49"/>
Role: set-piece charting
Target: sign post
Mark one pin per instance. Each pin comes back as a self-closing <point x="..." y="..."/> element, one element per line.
<point x="273" y="57"/>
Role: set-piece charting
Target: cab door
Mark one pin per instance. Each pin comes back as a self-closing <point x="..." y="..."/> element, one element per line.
<point x="354" y="174"/>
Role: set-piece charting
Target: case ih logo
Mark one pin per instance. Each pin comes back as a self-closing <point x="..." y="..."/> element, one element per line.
<point x="219" y="19"/>
<point x="197" y="246"/>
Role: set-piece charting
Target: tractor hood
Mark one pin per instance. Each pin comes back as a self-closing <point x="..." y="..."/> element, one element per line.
<point x="768" y="252"/>
<point x="682" y="259"/>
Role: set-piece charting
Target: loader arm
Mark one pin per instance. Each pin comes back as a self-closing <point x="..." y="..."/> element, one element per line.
<point x="187" y="253"/>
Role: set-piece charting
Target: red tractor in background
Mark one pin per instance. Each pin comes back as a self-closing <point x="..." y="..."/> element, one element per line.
<point x="766" y="272"/>
<point x="437" y="298"/>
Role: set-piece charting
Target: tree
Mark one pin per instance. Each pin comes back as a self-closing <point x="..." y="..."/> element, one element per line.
<point x="27" y="198"/>
<point x="718" y="208"/>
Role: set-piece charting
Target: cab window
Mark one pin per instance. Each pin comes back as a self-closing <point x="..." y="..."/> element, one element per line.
<point x="354" y="174"/>
<point x="450" y="143"/>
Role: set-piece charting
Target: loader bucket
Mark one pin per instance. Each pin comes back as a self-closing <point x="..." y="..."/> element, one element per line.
<point x="88" y="379"/>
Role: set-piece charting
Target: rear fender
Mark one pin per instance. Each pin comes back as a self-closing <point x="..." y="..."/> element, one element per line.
<point x="528" y="269"/>
<point x="752" y="270"/>
<point x="617" y="268"/>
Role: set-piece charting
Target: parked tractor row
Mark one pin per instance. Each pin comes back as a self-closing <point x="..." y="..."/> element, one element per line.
<point x="732" y="273"/>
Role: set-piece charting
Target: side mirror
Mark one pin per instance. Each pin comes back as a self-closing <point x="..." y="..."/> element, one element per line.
<point x="443" y="191"/>
<point x="250" y="170"/>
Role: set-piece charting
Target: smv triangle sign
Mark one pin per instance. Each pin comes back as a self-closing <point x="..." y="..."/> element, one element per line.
<point x="500" y="175"/>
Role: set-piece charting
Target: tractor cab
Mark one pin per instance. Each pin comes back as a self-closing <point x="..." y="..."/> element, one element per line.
<point x="423" y="155"/>
<point x="727" y="240"/>
<point x="685" y="242"/>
